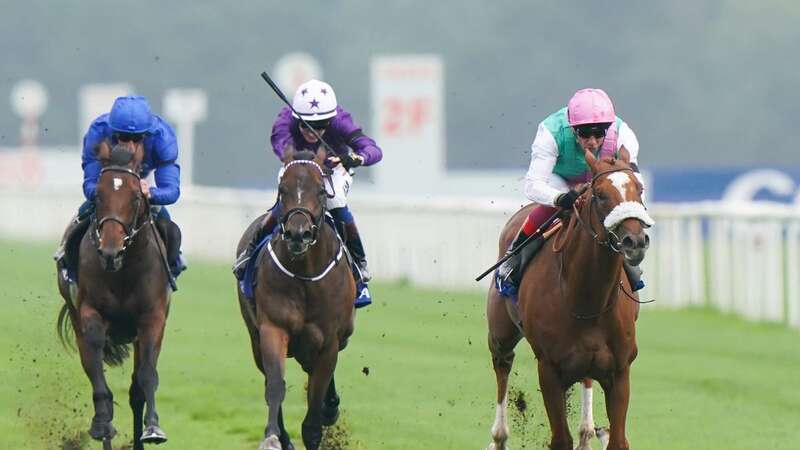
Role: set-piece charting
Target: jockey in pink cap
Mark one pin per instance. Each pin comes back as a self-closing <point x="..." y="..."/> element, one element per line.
<point x="588" y="122"/>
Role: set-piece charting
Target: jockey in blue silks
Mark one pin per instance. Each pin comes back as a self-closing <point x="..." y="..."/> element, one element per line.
<point x="131" y="119"/>
<point x="316" y="102"/>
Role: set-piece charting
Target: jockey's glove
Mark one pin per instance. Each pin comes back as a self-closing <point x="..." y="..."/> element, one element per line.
<point x="566" y="199"/>
<point x="350" y="160"/>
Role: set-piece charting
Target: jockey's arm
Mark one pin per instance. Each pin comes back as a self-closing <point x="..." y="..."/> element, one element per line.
<point x="365" y="147"/>
<point x="544" y="153"/>
<point x="281" y="132"/>
<point x="168" y="175"/>
<point x="627" y="139"/>
<point x="89" y="162"/>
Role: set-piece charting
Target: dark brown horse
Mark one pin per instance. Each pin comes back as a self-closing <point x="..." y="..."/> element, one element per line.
<point x="576" y="308"/>
<point x="303" y="301"/>
<point x="122" y="295"/>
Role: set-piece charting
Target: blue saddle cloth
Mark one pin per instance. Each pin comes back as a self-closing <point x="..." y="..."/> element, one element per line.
<point x="248" y="282"/>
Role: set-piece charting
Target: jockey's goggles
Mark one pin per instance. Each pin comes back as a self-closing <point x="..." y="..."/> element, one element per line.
<point x="595" y="130"/>
<point x="128" y="137"/>
<point x="318" y="125"/>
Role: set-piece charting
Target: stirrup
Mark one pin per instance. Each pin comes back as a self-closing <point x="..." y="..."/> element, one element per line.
<point x="363" y="296"/>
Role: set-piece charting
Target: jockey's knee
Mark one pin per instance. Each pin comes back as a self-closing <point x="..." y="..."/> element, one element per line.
<point x="342" y="214"/>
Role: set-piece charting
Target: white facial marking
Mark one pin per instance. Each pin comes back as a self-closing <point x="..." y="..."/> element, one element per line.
<point x="117" y="183"/>
<point x="620" y="180"/>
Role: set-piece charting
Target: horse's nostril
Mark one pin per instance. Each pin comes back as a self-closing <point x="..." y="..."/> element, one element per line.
<point x="646" y="241"/>
<point x="628" y="242"/>
<point x="307" y="236"/>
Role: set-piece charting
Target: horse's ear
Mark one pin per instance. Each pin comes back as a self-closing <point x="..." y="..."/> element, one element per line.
<point x="102" y="151"/>
<point x="288" y="154"/>
<point x="624" y="155"/>
<point x="321" y="155"/>
<point x="138" y="154"/>
<point x="590" y="160"/>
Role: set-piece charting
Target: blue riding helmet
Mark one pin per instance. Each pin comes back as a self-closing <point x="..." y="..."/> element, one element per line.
<point x="131" y="114"/>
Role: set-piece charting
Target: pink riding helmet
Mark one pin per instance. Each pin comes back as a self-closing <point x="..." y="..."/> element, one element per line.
<point x="590" y="106"/>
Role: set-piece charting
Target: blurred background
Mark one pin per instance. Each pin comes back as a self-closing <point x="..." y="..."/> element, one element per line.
<point x="453" y="92"/>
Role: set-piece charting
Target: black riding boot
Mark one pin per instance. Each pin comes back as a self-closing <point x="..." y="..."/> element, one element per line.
<point x="356" y="248"/>
<point x="66" y="255"/>
<point x="172" y="241"/>
<point x="264" y="228"/>
<point x="513" y="267"/>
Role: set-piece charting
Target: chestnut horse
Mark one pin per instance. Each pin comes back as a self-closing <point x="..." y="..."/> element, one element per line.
<point x="122" y="295"/>
<point x="303" y="301"/>
<point x="575" y="307"/>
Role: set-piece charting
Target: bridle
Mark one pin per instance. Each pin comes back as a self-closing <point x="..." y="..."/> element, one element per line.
<point x="611" y="241"/>
<point x="132" y="229"/>
<point x="316" y="222"/>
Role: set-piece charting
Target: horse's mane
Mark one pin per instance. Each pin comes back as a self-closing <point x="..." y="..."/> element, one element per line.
<point x="307" y="155"/>
<point x="120" y="156"/>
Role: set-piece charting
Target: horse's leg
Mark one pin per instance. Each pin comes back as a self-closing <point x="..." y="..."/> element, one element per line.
<point x="555" y="402"/>
<point x="136" y="400"/>
<point x="503" y="338"/>
<point x="617" y="395"/>
<point x="151" y="332"/>
<point x="91" y="340"/>
<point x="586" y="431"/>
<point x="273" y="342"/>
<point x="330" y="406"/>
<point x="319" y="379"/>
<point x="286" y="442"/>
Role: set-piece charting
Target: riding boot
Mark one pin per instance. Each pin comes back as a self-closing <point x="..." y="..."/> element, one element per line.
<point x="172" y="241"/>
<point x="634" y="274"/>
<point x="510" y="272"/>
<point x="356" y="248"/>
<point x="264" y="228"/>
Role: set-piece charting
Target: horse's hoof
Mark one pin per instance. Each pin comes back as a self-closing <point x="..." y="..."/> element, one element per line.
<point x="286" y="443"/>
<point x="102" y="430"/>
<point x="153" y="435"/>
<point x="604" y="435"/>
<point x="330" y="416"/>
<point x="271" y="443"/>
<point x="494" y="446"/>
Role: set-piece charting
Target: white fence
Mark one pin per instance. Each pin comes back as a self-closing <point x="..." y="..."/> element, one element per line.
<point x="742" y="259"/>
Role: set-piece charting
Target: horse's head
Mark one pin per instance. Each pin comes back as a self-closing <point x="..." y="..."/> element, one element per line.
<point x="302" y="194"/>
<point x="616" y="197"/>
<point x="120" y="206"/>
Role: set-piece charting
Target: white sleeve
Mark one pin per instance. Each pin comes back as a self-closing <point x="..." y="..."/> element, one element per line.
<point x="627" y="138"/>
<point x="544" y="153"/>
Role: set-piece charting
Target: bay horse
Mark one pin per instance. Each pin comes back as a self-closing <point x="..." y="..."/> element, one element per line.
<point x="303" y="306"/>
<point x="576" y="308"/>
<point x="122" y="295"/>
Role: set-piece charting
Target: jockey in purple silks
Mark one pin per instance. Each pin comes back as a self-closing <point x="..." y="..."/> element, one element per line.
<point x="316" y="102"/>
<point x="558" y="167"/>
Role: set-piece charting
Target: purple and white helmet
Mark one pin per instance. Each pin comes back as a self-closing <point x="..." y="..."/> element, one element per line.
<point x="314" y="101"/>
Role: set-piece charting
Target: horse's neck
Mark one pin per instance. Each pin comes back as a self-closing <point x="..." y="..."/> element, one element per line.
<point x="315" y="259"/>
<point x="590" y="271"/>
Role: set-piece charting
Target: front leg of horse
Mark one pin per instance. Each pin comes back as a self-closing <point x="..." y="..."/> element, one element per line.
<point x="91" y="341"/>
<point x="151" y="333"/>
<point x="136" y="401"/>
<point x="273" y="342"/>
<point x="318" y="382"/>
<point x="617" y="396"/>
<point x="330" y="406"/>
<point x="587" y="429"/>
<point x="555" y="402"/>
